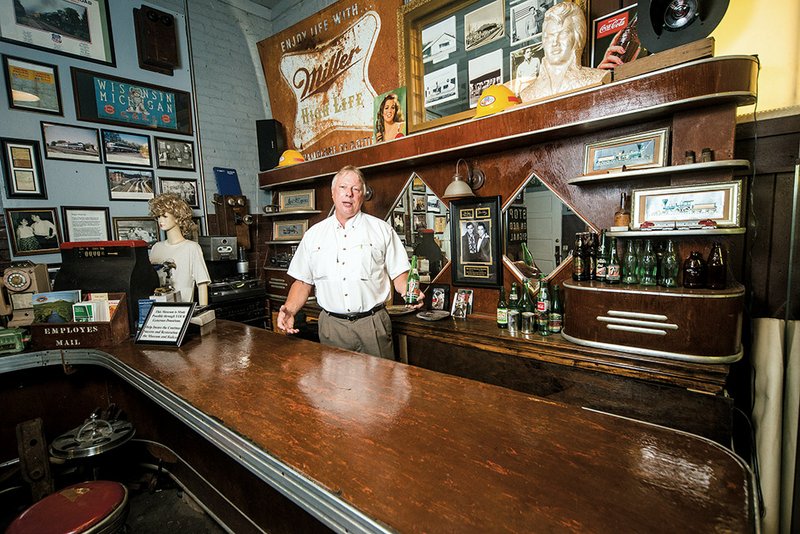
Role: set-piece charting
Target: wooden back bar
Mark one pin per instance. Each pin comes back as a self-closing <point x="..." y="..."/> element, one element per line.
<point x="415" y="450"/>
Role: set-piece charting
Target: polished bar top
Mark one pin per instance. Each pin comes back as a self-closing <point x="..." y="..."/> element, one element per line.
<point x="368" y="444"/>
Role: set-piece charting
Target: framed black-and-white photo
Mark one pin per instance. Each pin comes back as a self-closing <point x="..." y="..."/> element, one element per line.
<point x="399" y="222"/>
<point x="74" y="143"/>
<point x="32" y="86"/>
<point x="130" y="184"/>
<point x="484" y="71"/>
<point x="524" y="66"/>
<point x="186" y="188"/>
<point x="419" y="202"/>
<point x="420" y="221"/>
<point x="441" y="86"/>
<point x="526" y="19"/>
<point x="141" y="228"/>
<point x="22" y="167"/>
<point x="126" y="148"/>
<point x="33" y="231"/>
<point x="484" y="25"/>
<point x="174" y="154"/>
<point x="439" y="40"/>
<point x="78" y="29"/>
<point x="82" y="223"/>
<point x="475" y="235"/>
<point x="434" y="205"/>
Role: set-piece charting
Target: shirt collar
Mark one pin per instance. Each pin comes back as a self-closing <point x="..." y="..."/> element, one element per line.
<point x="352" y="222"/>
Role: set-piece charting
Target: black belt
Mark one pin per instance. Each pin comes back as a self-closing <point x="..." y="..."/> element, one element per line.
<point x="359" y="315"/>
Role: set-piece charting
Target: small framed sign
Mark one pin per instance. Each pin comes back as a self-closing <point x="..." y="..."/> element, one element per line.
<point x="639" y="151"/>
<point x="166" y="323"/>
<point x="296" y="200"/>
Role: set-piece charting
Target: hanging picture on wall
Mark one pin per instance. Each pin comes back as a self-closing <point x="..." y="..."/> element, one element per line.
<point x="475" y="234"/>
<point x="112" y="100"/>
<point x="71" y="142"/>
<point x="439" y="40"/>
<point x="143" y="228"/>
<point x="186" y="188"/>
<point x="484" y="71"/>
<point x="79" y="29"/>
<point x="484" y="25"/>
<point x="22" y="167"/>
<point x="175" y="154"/>
<point x="33" y="231"/>
<point x="617" y="29"/>
<point x="85" y="223"/>
<point x="130" y="184"/>
<point x="126" y="148"/>
<point x="32" y="86"/>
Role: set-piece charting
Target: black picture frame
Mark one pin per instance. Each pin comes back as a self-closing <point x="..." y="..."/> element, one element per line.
<point x="24" y="176"/>
<point x="166" y="323"/>
<point x="72" y="143"/>
<point x="73" y="223"/>
<point x="112" y="100"/>
<point x="125" y="148"/>
<point x="174" y="154"/>
<point x="46" y="101"/>
<point x="476" y="260"/>
<point x="130" y="184"/>
<point x="20" y="241"/>
<point x="186" y="188"/>
<point x="142" y="228"/>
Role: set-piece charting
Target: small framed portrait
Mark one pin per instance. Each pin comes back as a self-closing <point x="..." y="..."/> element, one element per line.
<point x="126" y="149"/>
<point x="32" y="86"/>
<point x="33" y="231"/>
<point x="296" y="200"/>
<point x="462" y="304"/>
<point x="419" y="202"/>
<point x="289" y="230"/>
<point x="130" y="184"/>
<point x="74" y="143"/>
<point x="439" y="224"/>
<point x="639" y="151"/>
<point x="141" y="228"/>
<point x="420" y="221"/>
<point x="439" y="296"/>
<point x="186" y="188"/>
<point x="399" y="222"/>
<point x="22" y="167"/>
<point x="475" y="235"/>
<point x="83" y="223"/>
<point x="174" y="154"/>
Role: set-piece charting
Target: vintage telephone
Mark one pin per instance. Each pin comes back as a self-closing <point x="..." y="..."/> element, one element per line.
<point x="233" y="217"/>
<point x="19" y="283"/>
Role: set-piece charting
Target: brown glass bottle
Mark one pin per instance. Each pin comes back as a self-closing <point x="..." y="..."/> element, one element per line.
<point x="694" y="271"/>
<point x="622" y="217"/>
<point x="716" y="268"/>
<point x="629" y="40"/>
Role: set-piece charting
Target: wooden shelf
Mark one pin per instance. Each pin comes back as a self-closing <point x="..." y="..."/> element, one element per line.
<point x="288" y="213"/>
<point x="675" y="233"/>
<point x="281" y="269"/>
<point x="297" y="242"/>
<point x="661" y="171"/>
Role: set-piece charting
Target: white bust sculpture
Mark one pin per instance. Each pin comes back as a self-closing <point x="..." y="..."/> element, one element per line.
<point x="563" y="38"/>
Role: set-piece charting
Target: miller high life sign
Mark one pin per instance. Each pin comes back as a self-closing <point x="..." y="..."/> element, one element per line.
<point x="322" y="75"/>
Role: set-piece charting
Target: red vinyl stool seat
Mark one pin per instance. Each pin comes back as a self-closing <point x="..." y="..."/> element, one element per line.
<point x="89" y="507"/>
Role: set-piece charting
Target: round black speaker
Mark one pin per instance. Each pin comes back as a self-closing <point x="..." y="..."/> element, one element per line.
<point x="665" y="24"/>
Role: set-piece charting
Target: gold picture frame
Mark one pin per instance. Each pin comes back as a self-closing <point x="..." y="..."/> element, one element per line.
<point x="638" y="151"/>
<point x="687" y="205"/>
<point x="302" y="200"/>
<point x="289" y="230"/>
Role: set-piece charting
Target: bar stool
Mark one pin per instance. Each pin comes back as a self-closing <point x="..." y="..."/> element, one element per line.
<point x="95" y="507"/>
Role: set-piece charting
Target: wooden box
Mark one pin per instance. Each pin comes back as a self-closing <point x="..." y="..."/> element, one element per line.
<point x="699" y="325"/>
<point x="46" y="336"/>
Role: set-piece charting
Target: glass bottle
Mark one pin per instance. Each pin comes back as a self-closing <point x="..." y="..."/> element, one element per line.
<point x="527" y="316"/>
<point x="513" y="310"/>
<point x="694" y="271"/>
<point x="630" y="264"/>
<point x="648" y="265"/>
<point x="591" y="256"/>
<point x="717" y="269"/>
<point x="543" y="307"/>
<point x="622" y="217"/>
<point x="629" y="40"/>
<point x="602" y="259"/>
<point x="412" y="285"/>
<point x="502" y="310"/>
<point x="527" y="257"/>
<point x="670" y="265"/>
<point x="613" y="269"/>
<point x="556" y="317"/>
<point x="513" y="297"/>
<point x="577" y="258"/>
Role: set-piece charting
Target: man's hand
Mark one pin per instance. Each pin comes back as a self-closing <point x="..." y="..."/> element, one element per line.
<point x="420" y="301"/>
<point x="286" y="320"/>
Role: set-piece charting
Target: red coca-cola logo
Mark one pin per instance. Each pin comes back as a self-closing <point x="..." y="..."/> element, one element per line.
<point x="108" y="108"/>
<point x="612" y="25"/>
<point x="166" y="119"/>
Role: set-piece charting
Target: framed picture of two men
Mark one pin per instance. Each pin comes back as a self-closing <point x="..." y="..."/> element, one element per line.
<point x="475" y="234"/>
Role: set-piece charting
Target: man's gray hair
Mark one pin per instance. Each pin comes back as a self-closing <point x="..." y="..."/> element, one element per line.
<point x="353" y="169"/>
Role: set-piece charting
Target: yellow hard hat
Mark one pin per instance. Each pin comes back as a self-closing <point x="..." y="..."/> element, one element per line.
<point x="496" y="98"/>
<point x="290" y="157"/>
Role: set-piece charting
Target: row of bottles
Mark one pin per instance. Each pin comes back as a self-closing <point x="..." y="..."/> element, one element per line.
<point x="521" y="314"/>
<point x="597" y="259"/>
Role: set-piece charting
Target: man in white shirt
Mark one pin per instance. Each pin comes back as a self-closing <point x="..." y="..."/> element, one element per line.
<point x="352" y="260"/>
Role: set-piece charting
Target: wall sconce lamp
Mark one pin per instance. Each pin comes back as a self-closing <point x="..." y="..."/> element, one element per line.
<point x="462" y="187"/>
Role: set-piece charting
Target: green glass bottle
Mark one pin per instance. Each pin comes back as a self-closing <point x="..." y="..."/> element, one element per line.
<point x="613" y="268"/>
<point x="630" y="264"/>
<point x="412" y="285"/>
<point x="526" y="311"/>
<point x="670" y="266"/>
<point x="527" y="257"/>
<point x="648" y="265"/>
<point x="502" y="310"/>
<point x="556" y="316"/>
<point x="543" y="308"/>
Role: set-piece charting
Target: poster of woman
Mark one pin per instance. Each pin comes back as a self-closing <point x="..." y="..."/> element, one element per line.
<point x="389" y="113"/>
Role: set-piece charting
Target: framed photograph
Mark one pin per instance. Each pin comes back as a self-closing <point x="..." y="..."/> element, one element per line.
<point x="524" y="66"/>
<point x="462" y="303"/>
<point x="126" y="148"/>
<point x="296" y="200"/>
<point x="86" y="223"/>
<point x="484" y="25"/>
<point x="74" y="143"/>
<point x="439" y="296"/>
<point x="78" y="29"/>
<point x="687" y="205"/>
<point x="112" y="100"/>
<point x="33" y="231"/>
<point x="475" y="237"/>
<point x="484" y="71"/>
<point x="419" y="202"/>
<point x="22" y="167"/>
<point x="289" y="230"/>
<point x="526" y="19"/>
<point x="608" y="30"/>
<point x="420" y="221"/>
<point x="32" y="86"/>
<point x="130" y="184"/>
<point x="639" y="151"/>
<point x="441" y="86"/>
<point x="434" y="205"/>
<point x="186" y="188"/>
<point x="131" y="228"/>
<point x="417" y="185"/>
<point x="439" y="41"/>
<point x="166" y="323"/>
<point x="439" y="224"/>
<point x="399" y="222"/>
<point x="175" y="154"/>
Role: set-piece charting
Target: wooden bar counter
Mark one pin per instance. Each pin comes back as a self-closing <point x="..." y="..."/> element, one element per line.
<point x="370" y="445"/>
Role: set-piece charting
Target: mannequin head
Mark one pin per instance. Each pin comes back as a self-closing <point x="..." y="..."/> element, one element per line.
<point x="174" y="207"/>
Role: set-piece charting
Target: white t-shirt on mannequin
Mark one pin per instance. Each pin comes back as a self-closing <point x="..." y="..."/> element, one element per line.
<point x="190" y="267"/>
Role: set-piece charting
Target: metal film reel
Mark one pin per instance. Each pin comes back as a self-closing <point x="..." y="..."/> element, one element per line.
<point x="94" y="437"/>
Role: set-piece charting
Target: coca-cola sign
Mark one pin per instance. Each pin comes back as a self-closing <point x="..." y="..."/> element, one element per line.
<point x="612" y="25"/>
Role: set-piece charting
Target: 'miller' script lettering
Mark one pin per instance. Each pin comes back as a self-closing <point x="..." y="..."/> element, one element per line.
<point x="319" y="78"/>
